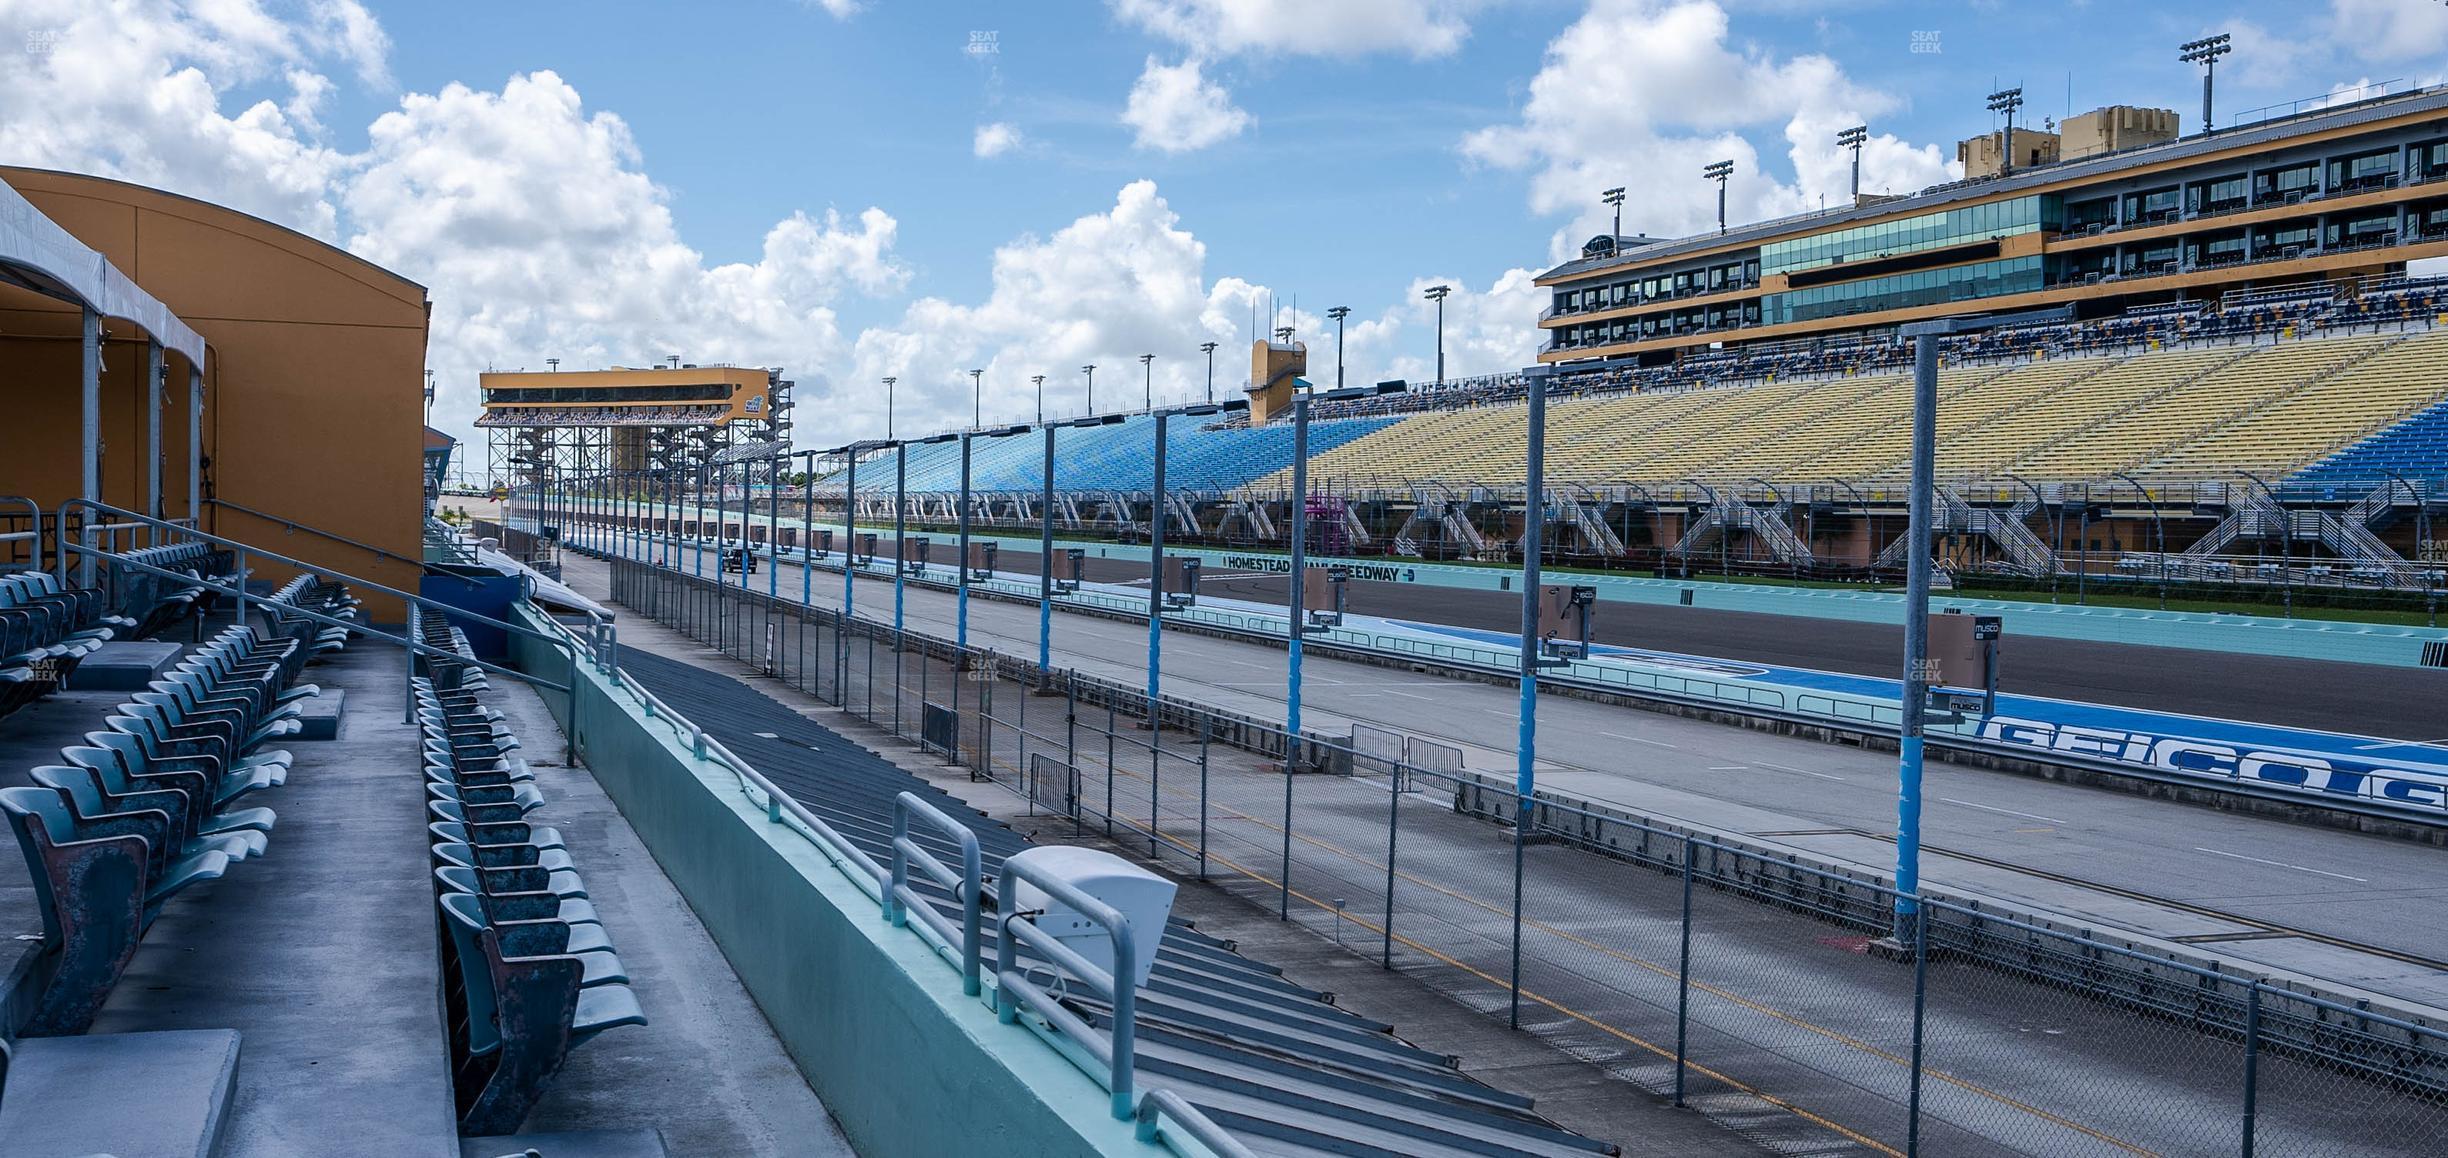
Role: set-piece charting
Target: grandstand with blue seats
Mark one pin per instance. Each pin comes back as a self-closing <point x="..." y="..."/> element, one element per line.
<point x="1200" y="456"/>
<point x="2416" y="447"/>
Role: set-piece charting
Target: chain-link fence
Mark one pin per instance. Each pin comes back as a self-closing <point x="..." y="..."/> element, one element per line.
<point x="1807" y="1008"/>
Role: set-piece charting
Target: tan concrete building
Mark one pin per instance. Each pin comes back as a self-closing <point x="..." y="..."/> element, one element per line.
<point x="313" y="382"/>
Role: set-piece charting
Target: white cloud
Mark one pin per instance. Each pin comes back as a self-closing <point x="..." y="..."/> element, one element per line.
<point x="2388" y="30"/>
<point x="1421" y="28"/>
<point x="132" y="90"/>
<point x="838" y="9"/>
<point x="1614" y="105"/>
<point x="1175" y="108"/>
<point x="539" y="233"/>
<point x="996" y="139"/>
<point x="1130" y="280"/>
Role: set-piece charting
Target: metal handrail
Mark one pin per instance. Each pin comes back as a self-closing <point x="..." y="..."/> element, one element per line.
<point x="1014" y="991"/>
<point x="778" y="804"/>
<point x="239" y="592"/>
<point x="1160" y="1104"/>
<point x="33" y="533"/>
<point x="900" y="899"/>
<point x="293" y="525"/>
<point x="301" y="564"/>
<point x="414" y="646"/>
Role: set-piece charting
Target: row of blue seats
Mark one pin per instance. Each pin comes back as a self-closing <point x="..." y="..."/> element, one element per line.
<point x="2415" y="448"/>
<point x="148" y="807"/>
<point x="1117" y="457"/>
<point x="157" y="602"/>
<point x="528" y="971"/>
<point x="46" y="628"/>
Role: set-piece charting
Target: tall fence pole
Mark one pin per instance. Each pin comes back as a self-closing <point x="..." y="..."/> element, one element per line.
<point x="2252" y="1062"/>
<point x="1920" y="1027"/>
<point x="1683" y="981"/>
<point x="1385" y="954"/>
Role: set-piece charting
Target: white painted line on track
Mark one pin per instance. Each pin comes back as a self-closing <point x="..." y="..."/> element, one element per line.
<point x="1639" y="740"/>
<point x="2007" y="811"/>
<point x="2282" y="864"/>
<point x="1729" y="768"/>
<point x="1803" y="771"/>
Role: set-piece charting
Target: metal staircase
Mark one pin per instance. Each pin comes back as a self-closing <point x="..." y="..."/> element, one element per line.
<point x="1766" y="522"/>
<point x="2025" y="552"/>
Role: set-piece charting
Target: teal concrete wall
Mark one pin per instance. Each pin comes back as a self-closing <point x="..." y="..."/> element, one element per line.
<point x="875" y="1019"/>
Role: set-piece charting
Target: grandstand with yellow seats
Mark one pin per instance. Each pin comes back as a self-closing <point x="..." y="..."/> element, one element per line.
<point x="2270" y="408"/>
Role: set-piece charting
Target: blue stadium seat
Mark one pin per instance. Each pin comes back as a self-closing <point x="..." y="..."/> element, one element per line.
<point x="2415" y="448"/>
<point x="529" y="969"/>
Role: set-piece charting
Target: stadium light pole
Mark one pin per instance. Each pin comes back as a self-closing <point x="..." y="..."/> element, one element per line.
<point x="1910" y="729"/>
<point x="1090" y="371"/>
<point x="1338" y="314"/>
<point x="977" y="398"/>
<point x="1437" y="294"/>
<point x="1039" y="379"/>
<point x="1296" y="623"/>
<point x="1615" y="197"/>
<point x="1718" y="171"/>
<point x="888" y="408"/>
<point x="1147" y="381"/>
<point x="2158" y="533"/>
<point x="2205" y="52"/>
<point x="1853" y="138"/>
<point x="2006" y="101"/>
<point x="1209" y="349"/>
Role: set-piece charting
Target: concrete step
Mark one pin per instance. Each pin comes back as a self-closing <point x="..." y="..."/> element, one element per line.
<point x="125" y="665"/>
<point x="69" y="1096"/>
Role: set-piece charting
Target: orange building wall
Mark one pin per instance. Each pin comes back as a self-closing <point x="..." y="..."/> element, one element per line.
<point x="314" y="403"/>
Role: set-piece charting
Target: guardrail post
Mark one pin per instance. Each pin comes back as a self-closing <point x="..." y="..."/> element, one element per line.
<point x="1683" y="980"/>
<point x="2252" y="1062"/>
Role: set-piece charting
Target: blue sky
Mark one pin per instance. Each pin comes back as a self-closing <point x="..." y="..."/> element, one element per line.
<point x="805" y="182"/>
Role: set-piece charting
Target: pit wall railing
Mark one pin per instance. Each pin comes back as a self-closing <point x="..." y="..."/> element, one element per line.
<point x="2415" y="797"/>
<point x="899" y="893"/>
<point x="80" y="561"/>
<point x="1783" y="996"/>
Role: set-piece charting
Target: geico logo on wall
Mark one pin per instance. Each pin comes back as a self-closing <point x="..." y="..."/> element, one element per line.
<point x="2274" y="768"/>
<point x="754" y="405"/>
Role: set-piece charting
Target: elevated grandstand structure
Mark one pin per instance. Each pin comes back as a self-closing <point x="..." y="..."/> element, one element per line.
<point x="2159" y="442"/>
<point x="675" y="417"/>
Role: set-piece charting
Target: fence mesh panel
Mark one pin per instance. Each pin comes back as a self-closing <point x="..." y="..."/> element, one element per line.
<point x="1778" y="998"/>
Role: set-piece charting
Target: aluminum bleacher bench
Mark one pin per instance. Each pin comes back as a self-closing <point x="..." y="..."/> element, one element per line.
<point x="529" y="971"/>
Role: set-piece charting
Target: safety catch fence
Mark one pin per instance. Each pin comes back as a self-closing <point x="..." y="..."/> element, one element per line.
<point x="1803" y="1005"/>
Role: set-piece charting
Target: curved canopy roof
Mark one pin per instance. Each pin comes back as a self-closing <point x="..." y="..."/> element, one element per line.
<point x="39" y="255"/>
